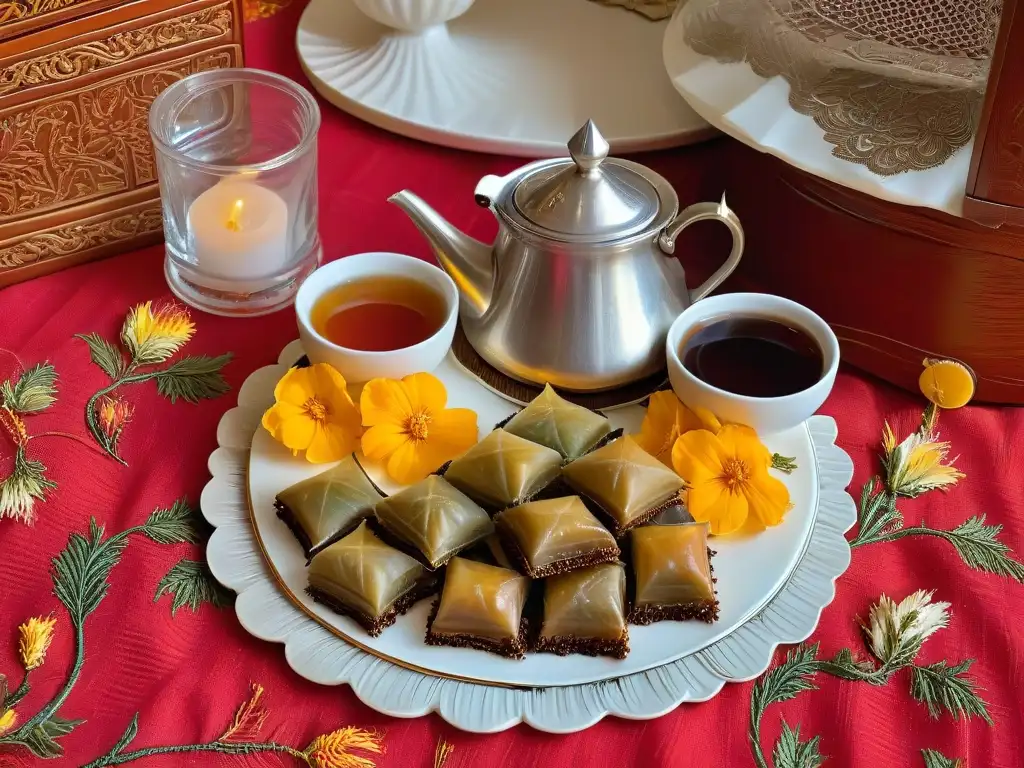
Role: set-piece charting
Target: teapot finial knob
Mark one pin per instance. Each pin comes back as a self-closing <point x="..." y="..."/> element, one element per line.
<point x="588" y="147"/>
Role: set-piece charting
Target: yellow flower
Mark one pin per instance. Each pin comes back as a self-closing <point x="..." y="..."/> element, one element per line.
<point x="410" y="428"/>
<point x="314" y="413"/>
<point x="332" y="750"/>
<point x="916" y="465"/>
<point x="153" y="335"/>
<point x="35" y="636"/>
<point x="7" y="721"/>
<point x="728" y="480"/>
<point x="666" y="419"/>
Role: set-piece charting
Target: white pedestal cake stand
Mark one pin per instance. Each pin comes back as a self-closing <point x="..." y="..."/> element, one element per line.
<point x="514" y="77"/>
<point x="313" y="648"/>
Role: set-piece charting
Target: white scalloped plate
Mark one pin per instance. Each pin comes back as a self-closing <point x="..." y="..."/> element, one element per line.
<point x="756" y="111"/>
<point x="643" y="689"/>
<point x="513" y="77"/>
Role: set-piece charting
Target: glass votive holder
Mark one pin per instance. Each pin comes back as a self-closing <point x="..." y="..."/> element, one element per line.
<point x="236" y="158"/>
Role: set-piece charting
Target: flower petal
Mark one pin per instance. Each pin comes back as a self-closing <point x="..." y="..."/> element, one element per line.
<point x="767" y="496"/>
<point x="452" y="431"/>
<point x="297" y="432"/>
<point x="425" y="392"/>
<point x="294" y="387"/>
<point x="713" y="503"/>
<point x="384" y="401"/>
<point x="409" y="464"/>
<point x="696" y="454"/>
<point x="382" y="440"/>
<point x="665" y="420"/>
<point x="707" y="419"/>
<point x="328" y="383"/>
<point x="330" y="443"/>
<point x="276" y="414"/>
<point x="745" y="445"/>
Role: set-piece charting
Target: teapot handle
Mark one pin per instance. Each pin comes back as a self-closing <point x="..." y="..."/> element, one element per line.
<point x="701" y="212"/>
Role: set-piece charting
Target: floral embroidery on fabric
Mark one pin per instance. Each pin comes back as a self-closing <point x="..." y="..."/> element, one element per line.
<point x="151" y="335"/>
<point x="21" y="397"/>
<point x="895" y="632"/>
<point x="80" y="574"/>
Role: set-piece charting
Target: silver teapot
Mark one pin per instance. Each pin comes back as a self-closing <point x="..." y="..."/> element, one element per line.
<point x="580" y="286"/>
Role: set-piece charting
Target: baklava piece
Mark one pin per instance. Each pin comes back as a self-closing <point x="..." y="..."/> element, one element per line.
<point x="672" y="564"/>
<point x="481" y="606"/>
<point x="322" y="509"/>
<point x="362" y="577"/>
<point x="432" y="520"/>
<point x="503" y="470"/>
<point x="546" y="538"/>
<point x="585" y="612"/>
<point x="628" y="484"/>
<point x="552" y="421"/>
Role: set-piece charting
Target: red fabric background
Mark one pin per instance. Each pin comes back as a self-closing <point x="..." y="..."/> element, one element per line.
<point x="186" y="675"/>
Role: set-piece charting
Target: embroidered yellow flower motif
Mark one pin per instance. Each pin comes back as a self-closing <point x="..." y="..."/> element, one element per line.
<point x="7" y="721"/>
<point x="113" y="413"/>
<point x="153" y="335"/>
<point x="333" y="750"/>
<point x="666" y="419"/>
<point x="314" y="413"/>
<point x="410" y="428"/>
<point x="916" y="465"/>
<point x="14" y="426"/>
<point x="34" y="640"/>
<point x="727" y="478"/>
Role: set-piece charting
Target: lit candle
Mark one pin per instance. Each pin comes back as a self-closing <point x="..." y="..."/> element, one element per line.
<point x="239" y="232"/>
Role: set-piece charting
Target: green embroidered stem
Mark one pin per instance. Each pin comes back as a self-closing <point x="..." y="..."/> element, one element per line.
<point x="91" y="420"/>
<point x="46" y="712"/>
<point x="19" y="693"/>
<point x="226" y="748"/>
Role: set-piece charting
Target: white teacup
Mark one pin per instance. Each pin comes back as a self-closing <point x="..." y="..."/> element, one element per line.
<point x="358" y="365"/>
<point x="765" y="414"/>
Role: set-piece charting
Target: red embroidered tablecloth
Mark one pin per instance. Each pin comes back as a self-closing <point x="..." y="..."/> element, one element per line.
<point x="184" y="673"/>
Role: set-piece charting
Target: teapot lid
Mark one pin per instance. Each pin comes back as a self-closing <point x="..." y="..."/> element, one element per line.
<point x="592" y="198"/>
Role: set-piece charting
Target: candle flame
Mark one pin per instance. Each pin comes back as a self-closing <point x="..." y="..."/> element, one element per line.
<point x="234" y="219"/>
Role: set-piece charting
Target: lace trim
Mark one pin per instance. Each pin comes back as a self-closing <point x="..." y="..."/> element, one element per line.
<point x="888" y="108"/>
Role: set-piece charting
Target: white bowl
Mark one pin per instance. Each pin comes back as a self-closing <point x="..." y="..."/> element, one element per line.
<point x="765" y="414"/>
<point x="413" y="15"/>
<point x="357" y="365"/>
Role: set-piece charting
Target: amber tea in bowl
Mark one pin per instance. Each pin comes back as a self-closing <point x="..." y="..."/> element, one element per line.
<point x="377" y="314"/>
<point x="752" y="358"/>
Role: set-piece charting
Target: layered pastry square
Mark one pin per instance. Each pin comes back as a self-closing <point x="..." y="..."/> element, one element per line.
<point x="362" y="577"/>
<point x="481" y="606"/>
<point x="322" y="509"/>
<point x="552" y="421"/>
<point x="585" y="612"/>
<point x="503" y="470"/>
<point x="628" y="484"/>
<point x="432" y="520"/>
<point x="672" y="566"/>
<point x="553" y="536"/>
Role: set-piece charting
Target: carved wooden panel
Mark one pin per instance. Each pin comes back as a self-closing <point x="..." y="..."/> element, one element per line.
<point x="86" y="143"/>
<point x="78" y="236"/>
<point x="212" y="24"/>
<point x="77" y="175"/>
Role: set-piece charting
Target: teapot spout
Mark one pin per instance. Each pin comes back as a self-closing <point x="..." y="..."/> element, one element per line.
<point x="466" y="260"/>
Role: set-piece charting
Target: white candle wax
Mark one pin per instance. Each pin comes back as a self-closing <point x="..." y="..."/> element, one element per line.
<point x="239" y="232"/>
